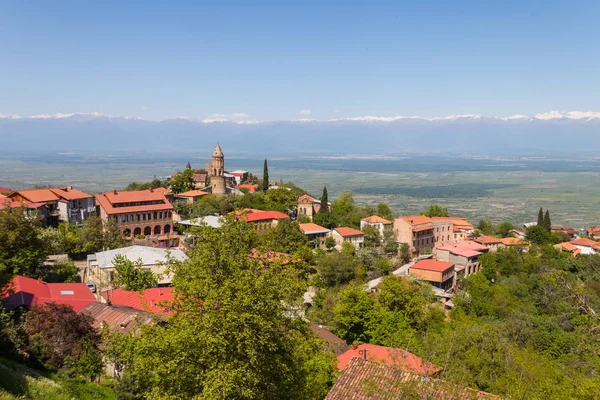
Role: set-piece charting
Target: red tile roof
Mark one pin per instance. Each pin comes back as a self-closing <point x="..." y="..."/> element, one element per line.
<point x="367" y="380"/>
<point x="306" y="198"/>
<point x="118" y="318"/>
<point x="344" y="231"/>
<point x="154" y="300"/>
<point x="107" y="201"/>
<point x="374" y="219"/>
<point x="467" y="248"/>
<point x="69" y="193"/>
<point x="584" y="242"/>
<point x="390" y="356"/>
<point x="487" y="240"/>
<point x="28" y="292"/>
<point x="36" y="195"/>
<point x="249" y="187"/>
<point x="458" y="222"/>
<point x="416" y="219"/>
<point x="510" y="241"/>
<point x="4" y="190"/>
<point x="432" y="265"/>
<point x="191" y="193"/>
<point x="264" y="216"/>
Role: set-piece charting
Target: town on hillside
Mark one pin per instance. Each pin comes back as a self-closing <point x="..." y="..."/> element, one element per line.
<point x="245" y="267"/>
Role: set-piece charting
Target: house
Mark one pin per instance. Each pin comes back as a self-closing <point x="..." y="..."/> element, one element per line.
<point x="464" y="255"/>
<point x="317" y="235"/>
<point x="118" y="318"/>
<point x="74" y="205"/>
<point x="593" y="232"/>
<point x="492" y="243"/>
<point x="389" y="356"/>
<point x="513" y="242"/>
<point x="367" y="380"/>
<point x="375" y="221"/>
<point x="415" y="230"/>
<point x="439" y="273"/>
<point x="190" y="196"/>
<point x="442" y="231"/>
<point x="262" y="219"/>
<point x="154" y="300"/>
<point x="517" y="233"/>
<point x="249" y="187"/>
<point x="101" y="270"/>
<point x="336" y="344"/>
<point x="239" y="176"/>
<point x="461" y="228"/>
<point x="29" y="292"/>
<point x="137" y="212"/>
<point x="568" y="247"/>
<point x="566" y="230"/>
<point x="42" y="211"/>
<point x="349" y="235"/>
<point x="199" y="177"/>
<point x="5" y="191"/>
<point x="308" y="206"/>
<point x="586" y="246"/>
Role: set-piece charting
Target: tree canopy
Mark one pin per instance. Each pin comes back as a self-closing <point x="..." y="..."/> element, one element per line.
<point x="435" y="210"/>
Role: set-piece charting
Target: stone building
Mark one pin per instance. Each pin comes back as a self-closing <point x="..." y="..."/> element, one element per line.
<point x="217" y="172"/>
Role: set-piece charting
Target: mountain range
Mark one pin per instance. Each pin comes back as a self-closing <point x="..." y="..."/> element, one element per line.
<point x="551" y="134"/>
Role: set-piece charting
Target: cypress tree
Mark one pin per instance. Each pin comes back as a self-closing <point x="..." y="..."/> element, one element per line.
<point x="547" y="222"/>
<point x="265" y="177"/>
<point x="541" y="217"/>
<point x="324" y="207"/>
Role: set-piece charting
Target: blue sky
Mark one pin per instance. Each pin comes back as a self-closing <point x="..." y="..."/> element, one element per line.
<point x="270" y="60"/>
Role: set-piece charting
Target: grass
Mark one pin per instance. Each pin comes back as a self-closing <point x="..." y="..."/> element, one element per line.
<point x="21" y="382"/>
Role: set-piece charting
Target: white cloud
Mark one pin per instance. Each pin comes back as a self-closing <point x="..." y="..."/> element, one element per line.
<point x="304" y="112"/>
<point x="238" y="118"/>
<point x="337" y="110"/>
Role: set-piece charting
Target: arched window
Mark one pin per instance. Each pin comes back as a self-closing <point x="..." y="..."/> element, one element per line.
<point x="147" y="231"/>
<point x="167" y="229"/>
<point x="137" y="231"/>
<point x="127" y="233"/>
<point x="157" y="230"/>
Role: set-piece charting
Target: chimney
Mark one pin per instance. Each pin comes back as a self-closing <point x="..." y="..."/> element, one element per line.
<point x="114" y="191"/>
<point x="151" y="190"/>
<point x="354" y="346"/>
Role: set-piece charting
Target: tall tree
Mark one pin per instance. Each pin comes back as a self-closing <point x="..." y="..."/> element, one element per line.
<point x="265" y="184"/>
<point x="435" y="210"/>
<point x="547" y="221"/>
<point x="234" y="331"/>
<point x="131" y="275"/>
<point x="324" y="202"/>
<point x="384" y="211"/>
<point x="540" y="220"/>
<point x="182" y="181"/>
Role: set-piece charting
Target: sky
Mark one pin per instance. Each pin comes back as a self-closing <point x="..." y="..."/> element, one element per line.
<point x="285" y="60"/>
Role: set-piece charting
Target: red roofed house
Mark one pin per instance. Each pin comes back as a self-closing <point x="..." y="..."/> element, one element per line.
<point x="308" y="206"/>
<point x="567" y="230"/>
<point x="490" y="242"/>
<point x="350" y="235"/>
<point x="568" y="247"/>
<point x="587" y="246"/>
<point x="594" y="232"/>
<point x="375" y="221"/>
<point x="240" y="176"/>
<point x="190" y="196"/>
<point x="439" y="273"/>
<point x="5" y="191"/>
<point x="390" y="356"/>
<point x="263" y="219"/>
<point x="137" y="212"/>
<point x="249" y="187"/>
<point x="461" y="228"/>
<point x="317" y="235"/>
<point x="416" y="230"/>
<point x="154" y="300"/>
<point x="464" y="255"/>
<point x="28" y="292"/>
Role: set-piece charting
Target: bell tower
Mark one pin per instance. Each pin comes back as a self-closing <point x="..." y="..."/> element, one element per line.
<point x="217" y="171"/>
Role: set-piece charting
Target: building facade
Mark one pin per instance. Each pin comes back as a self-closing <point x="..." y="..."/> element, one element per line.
<point x="217" y="172"/>
<point x="439" y="273"/>
<point x="316" y="234"/>
<point x="416" y="231"/>
<point x="381" y="224"/>
<point x="348" y="235"/>
<point x="140" y="212"/>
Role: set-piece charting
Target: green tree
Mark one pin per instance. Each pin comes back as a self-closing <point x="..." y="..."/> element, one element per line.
<point x="410" y="299"/>
<point x="485" y="227"/>
<point x="234" y="332"/>
<point x="324" y="202"/>
<point x="372" y="237"/>
<point x="435" y="210"/>
<point x="537" y="234"/>
<point x="330" y="243"/>
<point x="547" y="221"/>
<point x="182" y="181"/>
<point x="131" y="275"/>
<point x="540" y="219"/>
<point x="354" y="312"/>
<point x="384" y="211"/>
<point x="503" y="229"/>
<point x="404" y="252"/>
<point x="337" y="268"/>
<point x="21" y="247"/>
<point x="265" y="182"/>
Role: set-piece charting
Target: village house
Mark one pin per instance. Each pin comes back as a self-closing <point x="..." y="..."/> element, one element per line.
<point x="565" y="230"/>
<point x="27" y="292"/>
<point x="464" y="255"/>
<point x="381" y="224"/>
<point x="101" y="271"/>
<point x="154" y="300"/>
<point x="262" y="219"/>
<point x="569" y="248"/>
<point x="335" y="343"/>
<point x="190" y="197"/>
<point x="416" y="231"/>
<point x="248" y="186"/>
<point x="442" y="231"/>
<point x="138" y="212"/>
<point x="509" y="242"/>
<point x="399" y="358"/>
<point x="586" y="246"/>
<point x="63" y="204"/>
<point x="461" y="228"/>
<point x="438" y="273"/>
<point x="308" y="206"/>
<point x="348" y="235"/>
<point x="492" y="243"/>
<point x="316" y="234"/>
<point x="239" y="176"/>
<point x="593" y="232"/>
<point x="119" y="319"/>
<point x="38" y="209"/>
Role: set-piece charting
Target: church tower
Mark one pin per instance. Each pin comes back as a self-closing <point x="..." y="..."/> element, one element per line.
<point x="217" y="171"/>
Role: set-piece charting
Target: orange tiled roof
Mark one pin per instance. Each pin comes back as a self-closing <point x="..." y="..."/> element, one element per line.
<point x="36" y="195"/>
<point x="310" y="227"/>
<point x="107" y="201"/>
<point x="306" y="197"/>
<point x="390" y="356"/>
<point x="416" y="219"/>
<point x="70" y="193"/>
<point x="432" y="265"/>
<point x="511" y="241"/>
<point x="344" y="231"/>
<point x="487" y="240"/>
<point x="458" y="222"/>
<point x="375" y="219"/>
<point x="584" y="242"/>
<point x="251" y="188"/>
<point x="192" y="193"/>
